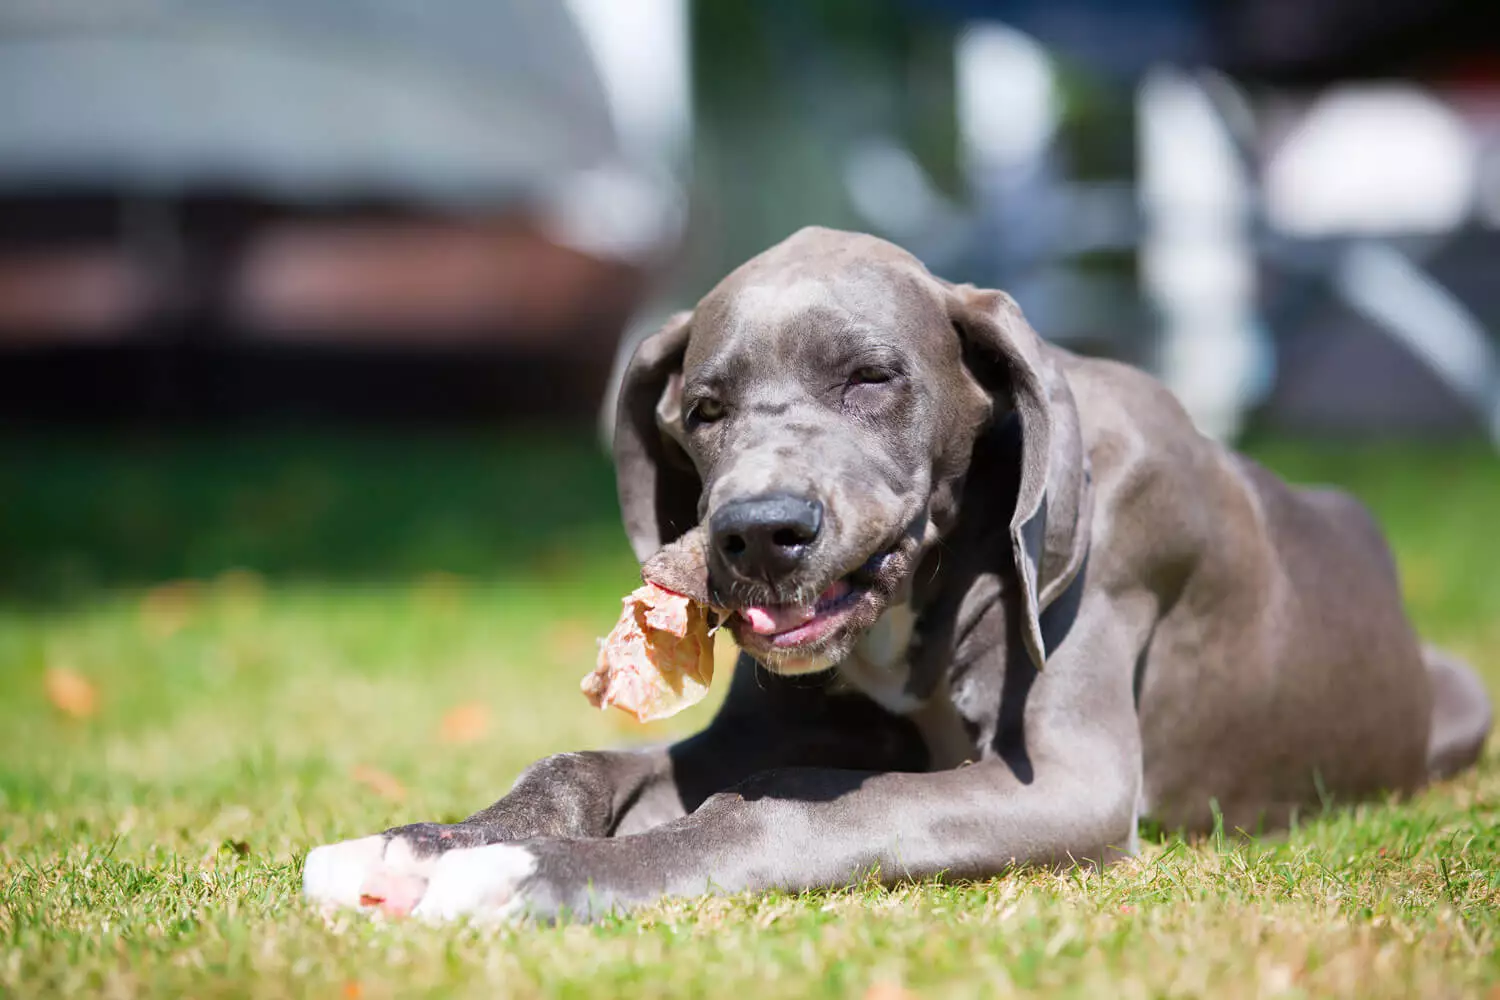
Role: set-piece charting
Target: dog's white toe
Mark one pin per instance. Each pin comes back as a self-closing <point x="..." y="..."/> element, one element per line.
<point x="482" y="883"/>
<point x="334" y="873"/>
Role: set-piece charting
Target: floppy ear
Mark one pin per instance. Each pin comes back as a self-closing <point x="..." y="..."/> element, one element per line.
<point x="1049" y="530"/>
<point x="657" y="483"/>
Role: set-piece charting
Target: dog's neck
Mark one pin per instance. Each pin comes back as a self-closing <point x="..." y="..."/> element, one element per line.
<point x="880" y="668"/>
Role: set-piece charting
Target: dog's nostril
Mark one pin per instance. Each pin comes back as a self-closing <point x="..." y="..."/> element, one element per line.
<point x="788" y="538"/>
<point x="766" y="535"/>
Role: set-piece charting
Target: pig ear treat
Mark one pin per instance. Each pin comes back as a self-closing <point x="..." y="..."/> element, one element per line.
<point x="657" y="660"/>
<point x="682" y="566"/>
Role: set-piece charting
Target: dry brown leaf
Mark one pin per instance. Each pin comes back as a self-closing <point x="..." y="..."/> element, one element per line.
<point x="240" y="589"/>
<point x="165" y="609"/>
<point x="439" y="592"/>
<point x="465" y="723"/>
<point x="571" y="642"/>
<point x="380" y="782"/>
<point x="70" y="692"/>
<point x="554" y="562"/>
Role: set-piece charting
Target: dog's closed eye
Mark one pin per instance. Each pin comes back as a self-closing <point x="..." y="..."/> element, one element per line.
<point x="868" y="386"/>
<point x="705" y="411"/>
<point x="870" y="375"/>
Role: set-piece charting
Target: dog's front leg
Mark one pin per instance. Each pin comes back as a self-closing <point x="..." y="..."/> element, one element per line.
<point x="798" y="829"/>
<point x="565" y="795"/>
<point x="765" y="723"/>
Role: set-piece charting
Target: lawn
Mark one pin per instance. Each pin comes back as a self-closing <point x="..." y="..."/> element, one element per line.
<point x="218" y="652"/>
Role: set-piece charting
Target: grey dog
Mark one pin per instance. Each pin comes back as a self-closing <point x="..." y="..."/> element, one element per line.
<point x="1007" y="601"/>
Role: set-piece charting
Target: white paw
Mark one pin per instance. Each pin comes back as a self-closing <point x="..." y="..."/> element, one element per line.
<point x="335" y="873"/>
<point x="370" y="872"/>
<point x="481" y="883"/>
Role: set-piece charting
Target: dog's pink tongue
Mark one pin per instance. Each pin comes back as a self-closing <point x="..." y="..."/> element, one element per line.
<point x="772" y="618"/>
<point x="769" y="619"/>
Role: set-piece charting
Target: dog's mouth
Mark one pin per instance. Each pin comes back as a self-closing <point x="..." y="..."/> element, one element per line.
<point x="796" y="637"/>
<point x="790" y="625"/>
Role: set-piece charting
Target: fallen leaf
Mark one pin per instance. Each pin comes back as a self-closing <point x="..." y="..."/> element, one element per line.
<point x="554" y="562"/>
<point x="380" y="782"/>
<point x="572" y="643"/>
<point x="465" y="723"/>
<point x="240" y="589"/>
<point x="167" y="608"/>
<point x="439" y="592"/>
<point x="70" y="692"/>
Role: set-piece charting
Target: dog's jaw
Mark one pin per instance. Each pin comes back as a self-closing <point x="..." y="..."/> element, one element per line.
<point x="884" y="581"/>
<point x="851" y="623"/>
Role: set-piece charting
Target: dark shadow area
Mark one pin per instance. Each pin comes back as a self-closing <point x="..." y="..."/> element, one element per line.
<point x="182" y="338"/>
<point x="85" y="511"/>
<point x="187" y="383"/>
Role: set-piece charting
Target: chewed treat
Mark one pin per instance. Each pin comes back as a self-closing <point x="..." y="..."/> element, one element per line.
<point x="682" y="566"/>
<point x="657" y="660"/>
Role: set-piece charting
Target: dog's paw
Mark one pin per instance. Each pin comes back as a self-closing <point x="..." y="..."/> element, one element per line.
<point x="485" y="884"/>
<point x="382" y="872"/>
<point x="335" y="874"/>
<point x="389" y="874"/>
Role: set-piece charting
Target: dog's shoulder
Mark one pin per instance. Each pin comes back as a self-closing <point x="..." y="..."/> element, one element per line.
<point x="1133" y="428"/>
<point x="1122" y="405"/>
<point x="1162" y="483"/>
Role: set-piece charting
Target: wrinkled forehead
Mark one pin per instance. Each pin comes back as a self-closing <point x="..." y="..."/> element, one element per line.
<point x="789" y="312"/>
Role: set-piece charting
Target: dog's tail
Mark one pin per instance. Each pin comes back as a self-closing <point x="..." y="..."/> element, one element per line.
<point x="1461" y="714"/>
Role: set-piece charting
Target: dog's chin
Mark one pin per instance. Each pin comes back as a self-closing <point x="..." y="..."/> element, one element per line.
<point x="837" y="624"/>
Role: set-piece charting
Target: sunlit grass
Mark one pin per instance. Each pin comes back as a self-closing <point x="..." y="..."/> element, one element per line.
<point x="153" y="845"/>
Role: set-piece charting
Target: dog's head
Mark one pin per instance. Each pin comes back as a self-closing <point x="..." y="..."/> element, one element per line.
<point x="815" y="415"/>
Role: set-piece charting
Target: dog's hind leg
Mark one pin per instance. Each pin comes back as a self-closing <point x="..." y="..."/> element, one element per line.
<point x="1461" y="715"/>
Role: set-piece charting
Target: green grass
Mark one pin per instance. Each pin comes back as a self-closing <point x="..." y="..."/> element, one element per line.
<point x="154" y="847"/>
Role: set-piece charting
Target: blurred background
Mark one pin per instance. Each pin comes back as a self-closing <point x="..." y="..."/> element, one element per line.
<point x="224" y="212"/>
<point x="310" y="312"/>
<point x="337" y="289"/>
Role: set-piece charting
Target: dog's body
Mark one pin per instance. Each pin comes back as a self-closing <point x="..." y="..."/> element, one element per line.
<point x="1046" y="606"/>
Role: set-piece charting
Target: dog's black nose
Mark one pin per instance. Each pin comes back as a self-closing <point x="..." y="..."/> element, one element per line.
<point x="766" y="536"/>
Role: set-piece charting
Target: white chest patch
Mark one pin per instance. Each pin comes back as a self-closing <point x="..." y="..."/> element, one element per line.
<point x="879" y="669"/>
<point x="878" y="666"/>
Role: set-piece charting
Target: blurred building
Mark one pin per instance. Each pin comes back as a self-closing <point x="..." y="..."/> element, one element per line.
<point x="217" y="208"/>
<point x="1284" y="209"/>
<point x="1288" y="210"/>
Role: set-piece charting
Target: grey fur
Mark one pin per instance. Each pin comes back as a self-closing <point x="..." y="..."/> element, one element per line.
<point x="1105" y="614"/>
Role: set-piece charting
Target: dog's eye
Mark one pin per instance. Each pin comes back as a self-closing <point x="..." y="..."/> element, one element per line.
<point x="706" y="410"/>
<point x="870" y="375"/>
<point x="868" y="389"/>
